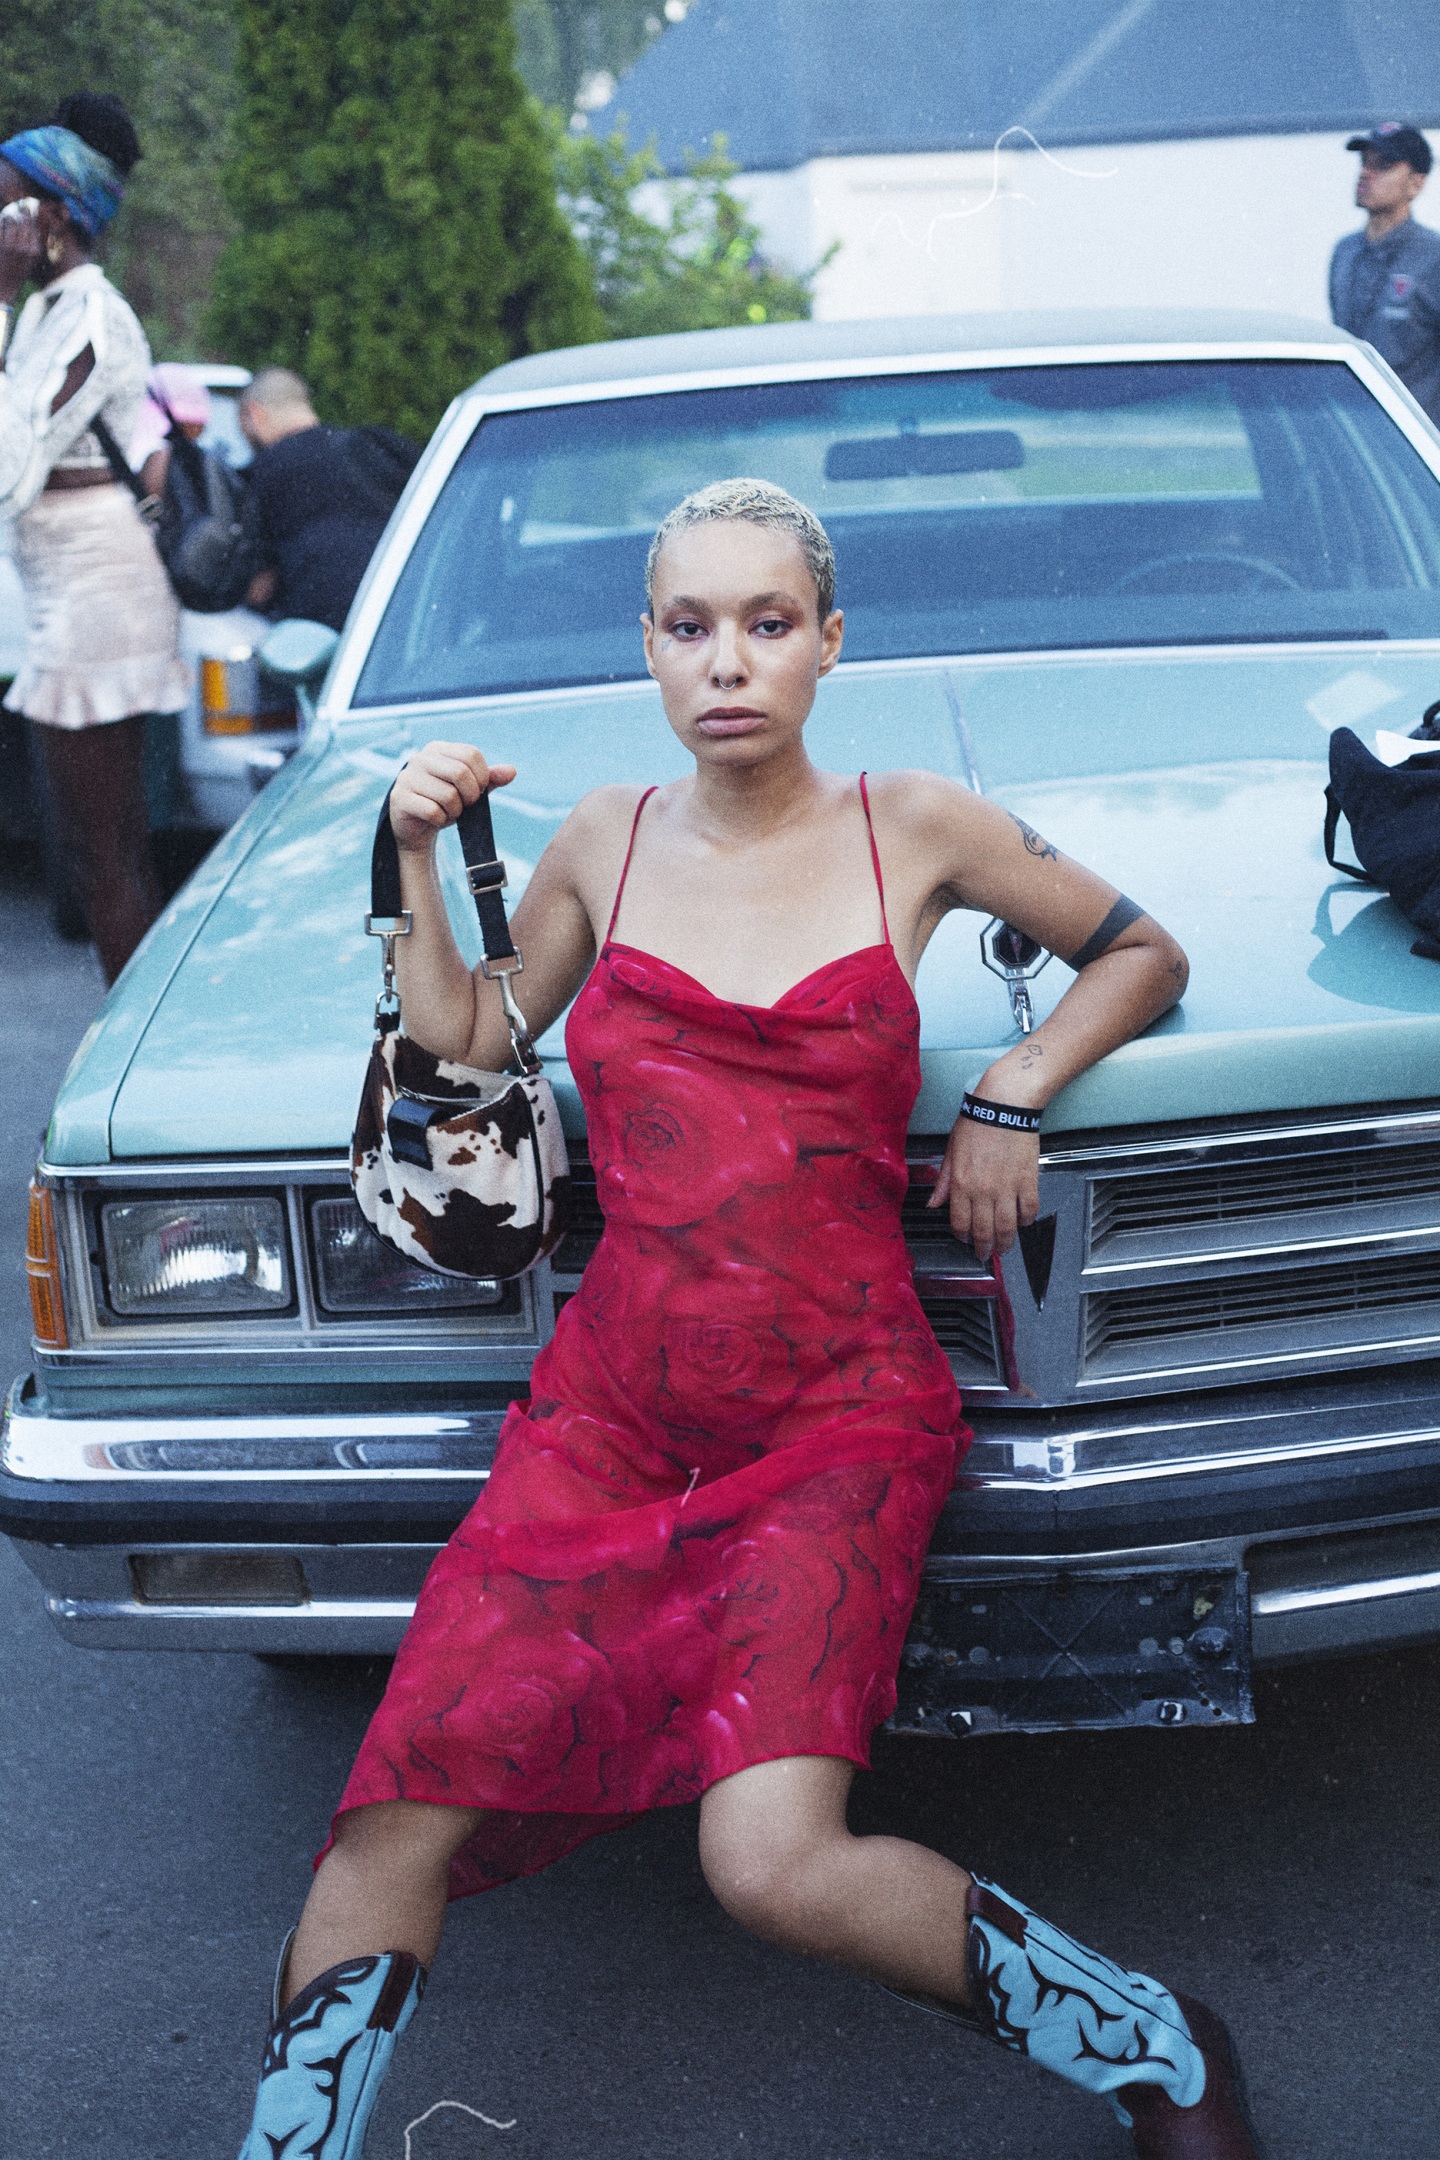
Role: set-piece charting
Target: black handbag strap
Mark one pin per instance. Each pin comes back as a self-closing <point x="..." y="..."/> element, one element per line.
<point x="485" y="876"/>
<point x="115" y="458"/>
<point x="148" y="505"/>
<point x="1332" y="826"/>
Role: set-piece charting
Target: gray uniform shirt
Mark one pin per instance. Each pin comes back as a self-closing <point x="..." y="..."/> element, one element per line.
<point x="1389" y="294"/>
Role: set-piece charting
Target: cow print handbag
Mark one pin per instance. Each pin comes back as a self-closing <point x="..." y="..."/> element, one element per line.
<point x="463" y="1171"/>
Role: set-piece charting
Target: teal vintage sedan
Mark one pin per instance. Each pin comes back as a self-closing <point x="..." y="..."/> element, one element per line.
<point x="1123" y="574"/>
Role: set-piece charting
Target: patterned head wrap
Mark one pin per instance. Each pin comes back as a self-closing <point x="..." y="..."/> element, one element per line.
<point x="58" y="161"/>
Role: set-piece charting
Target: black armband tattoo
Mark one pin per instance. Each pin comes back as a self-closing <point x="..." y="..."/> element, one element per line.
<point x="1099" y="941"/>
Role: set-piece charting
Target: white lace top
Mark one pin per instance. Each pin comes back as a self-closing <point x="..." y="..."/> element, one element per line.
<point x="79" y="309"/>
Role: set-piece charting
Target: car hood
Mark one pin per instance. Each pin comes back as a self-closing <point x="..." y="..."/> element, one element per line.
<point x="1192" y="780"/>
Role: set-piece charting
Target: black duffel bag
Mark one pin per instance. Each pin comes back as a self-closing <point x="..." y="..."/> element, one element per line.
<point x="1393" y="812"/>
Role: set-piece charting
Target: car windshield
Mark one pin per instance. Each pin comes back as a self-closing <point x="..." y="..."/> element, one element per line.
<point x="1003" y="509"/>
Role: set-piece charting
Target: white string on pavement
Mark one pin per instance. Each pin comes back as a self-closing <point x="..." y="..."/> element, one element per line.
<point x="434" y="2109"/>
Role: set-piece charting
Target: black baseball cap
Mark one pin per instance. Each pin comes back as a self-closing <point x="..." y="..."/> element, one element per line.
<point x="1395" y="144"/>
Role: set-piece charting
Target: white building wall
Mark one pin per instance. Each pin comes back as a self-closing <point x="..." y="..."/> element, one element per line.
<point x="1241" y="221"/>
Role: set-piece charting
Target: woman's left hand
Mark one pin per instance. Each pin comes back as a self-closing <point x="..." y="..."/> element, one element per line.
<point x="991" y="1178"/>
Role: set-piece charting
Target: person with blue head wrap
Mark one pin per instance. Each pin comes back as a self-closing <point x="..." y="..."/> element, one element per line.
<point x="102" y="625"/>
<point x="64" y="166"/>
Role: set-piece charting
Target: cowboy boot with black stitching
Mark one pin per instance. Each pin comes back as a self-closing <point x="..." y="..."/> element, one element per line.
<point x="1165" y="2063"/>
<point x="326" y="2057"/>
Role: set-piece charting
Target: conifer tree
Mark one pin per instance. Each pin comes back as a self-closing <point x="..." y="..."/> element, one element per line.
<point x="392" y="183"/>
<point x="698" y="266"/>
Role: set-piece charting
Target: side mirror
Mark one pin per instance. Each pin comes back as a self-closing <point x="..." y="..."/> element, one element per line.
<point x="299" y="652"/>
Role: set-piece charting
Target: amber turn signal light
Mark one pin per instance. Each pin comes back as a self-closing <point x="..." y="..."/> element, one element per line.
<point x="222" y="714"/>
<point x="232" y="697"/>
<point x="42" y="1271"/>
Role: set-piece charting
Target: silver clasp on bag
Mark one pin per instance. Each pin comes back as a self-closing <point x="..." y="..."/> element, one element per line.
<point x="521" y="1041"/>
<point x="1015" y="958"/>
<point x="388" y="927"/>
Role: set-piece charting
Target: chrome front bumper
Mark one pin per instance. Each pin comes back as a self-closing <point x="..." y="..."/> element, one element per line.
<point x="440" y="1447"/>
<point x="1309" y="1620"/>
<point x="362" y="1503"/>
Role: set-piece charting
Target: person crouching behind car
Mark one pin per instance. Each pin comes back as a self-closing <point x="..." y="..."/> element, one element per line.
<point x="102" y="625"/>
<point x="321" y="498"/>
<point x="693" y="1566"/>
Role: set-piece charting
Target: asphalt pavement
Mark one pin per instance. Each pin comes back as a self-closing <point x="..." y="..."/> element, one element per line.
<point x="158" y="1813"/>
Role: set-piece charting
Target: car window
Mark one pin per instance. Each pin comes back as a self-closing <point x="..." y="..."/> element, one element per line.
<point x="223" y="431"/>
<point x="1000" y="510"/>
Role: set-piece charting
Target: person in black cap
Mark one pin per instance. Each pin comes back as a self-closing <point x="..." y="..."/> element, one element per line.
<point x="1385" y="281"/>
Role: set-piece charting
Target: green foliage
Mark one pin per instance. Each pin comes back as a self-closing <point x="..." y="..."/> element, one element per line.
<point x="171" y="62"/>
<point x="47" y="49"/>
<point x="697" y="266"/>
<point x="389" y="197"/>
<point x="398" y="228"/>
<point x="564" y="41"/>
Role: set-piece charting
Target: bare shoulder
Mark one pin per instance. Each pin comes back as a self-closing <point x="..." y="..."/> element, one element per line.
<point x="922" y="804"/>
<point x="947" y="842"/>
<point x="599" y="818"/>
<point x="586" y="853"/>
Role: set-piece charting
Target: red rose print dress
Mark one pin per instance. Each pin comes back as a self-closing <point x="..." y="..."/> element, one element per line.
<point x="702" y="1538"/>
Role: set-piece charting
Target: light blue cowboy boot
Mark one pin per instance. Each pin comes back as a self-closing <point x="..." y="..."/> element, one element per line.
<point x="327" y="2056"/>
<point x="1169" y="2072"/>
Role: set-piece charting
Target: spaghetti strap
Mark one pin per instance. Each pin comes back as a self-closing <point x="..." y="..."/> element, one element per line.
<point x="625" y="866"/>
<point x="874" y="857"/>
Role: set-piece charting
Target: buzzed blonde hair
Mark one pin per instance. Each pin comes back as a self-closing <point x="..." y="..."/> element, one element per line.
<point x="752" y="502"/>
<point x="278" y="389"/>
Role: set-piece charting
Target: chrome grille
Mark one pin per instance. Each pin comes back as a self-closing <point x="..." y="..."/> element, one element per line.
<point x="585" y="1223"/>
<point x="1229" y="1195"/>
<point x="1354" y="1299"/>
<point x="1254" y="1253"/>
<point x="965" y="1331"/>
<point x="963" y="1324"/>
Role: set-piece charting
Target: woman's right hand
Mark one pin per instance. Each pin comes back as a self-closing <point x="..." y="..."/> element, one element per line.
<point x="434" y="787"/>
<point x="20" y="245"/>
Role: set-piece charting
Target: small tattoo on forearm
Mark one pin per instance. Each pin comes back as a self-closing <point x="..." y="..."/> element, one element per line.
<point x="1033" y="1052"/>
<point x="1035" y="843"/>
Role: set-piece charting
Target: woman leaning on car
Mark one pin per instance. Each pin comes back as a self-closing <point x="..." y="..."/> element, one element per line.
<point x="695" y="1560"/>
<point x="102" y="622"/>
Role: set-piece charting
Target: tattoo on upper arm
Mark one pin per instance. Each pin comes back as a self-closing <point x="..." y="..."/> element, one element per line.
<point x="1100" y="940"/>
<point x="1035" y="843"/>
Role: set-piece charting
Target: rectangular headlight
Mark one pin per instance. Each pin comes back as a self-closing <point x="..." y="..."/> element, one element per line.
<point x="357" y="1272"/>
<point x="195" y="1256"/>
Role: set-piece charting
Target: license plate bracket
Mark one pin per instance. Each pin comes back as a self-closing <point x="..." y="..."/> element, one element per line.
<point x="1074" y="1652"/>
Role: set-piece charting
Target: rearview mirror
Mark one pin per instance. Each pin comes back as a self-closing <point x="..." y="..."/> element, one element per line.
<point x="299" y="652"/>
<point x="921" y="457"/>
